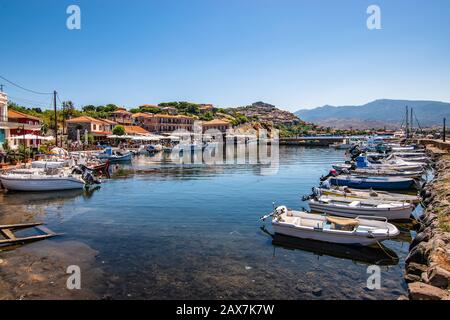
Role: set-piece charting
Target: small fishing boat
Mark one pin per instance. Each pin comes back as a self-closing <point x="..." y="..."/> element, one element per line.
<point x="153" y="148"/>
<point x="115" y="155"/>
<point x="387" y="173"/>
<point x="359" y="231"/>
<point x="394" y="161"/>
<point x="347" y="192"/>
<point x="41" y="181"/>
<point x="402" y="148"/>
<point x="374" y="182"/>
<point x="352" y="208"/>
<point x="409" y="154"/>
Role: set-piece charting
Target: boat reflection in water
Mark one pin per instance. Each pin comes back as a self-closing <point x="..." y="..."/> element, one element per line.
<point x="24" y="198"/>
<point x="379" y="255"/>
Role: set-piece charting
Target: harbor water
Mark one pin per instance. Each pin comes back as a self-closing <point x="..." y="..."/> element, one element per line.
<point x="168" y="231"/>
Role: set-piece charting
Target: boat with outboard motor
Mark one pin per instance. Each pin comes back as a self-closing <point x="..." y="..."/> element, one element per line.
<point x="358" y="231"/>
<point x="350" y="193"/>
<point x="374" y="182"/>
<point x="387" y="164"/>
<point x="353" y="207"/>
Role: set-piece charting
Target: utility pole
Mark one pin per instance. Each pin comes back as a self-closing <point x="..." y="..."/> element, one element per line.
<point x="443" y="132"/>
<point x="1" y="87"/>
<point x="56" y="119"/>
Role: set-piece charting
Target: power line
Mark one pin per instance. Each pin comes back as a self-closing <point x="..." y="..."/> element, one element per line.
<point x="23" y="88"/>
<point x="14" y="98"/>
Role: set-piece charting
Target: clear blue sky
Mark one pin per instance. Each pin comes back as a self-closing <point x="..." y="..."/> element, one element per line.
<point x="290" y="53"/>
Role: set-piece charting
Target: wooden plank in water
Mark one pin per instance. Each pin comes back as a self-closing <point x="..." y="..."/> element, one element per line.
<point x="26" y="239"/>
<point x="20" y="225"/>
<point x="10" y="238"/>
<point x="45" y="230"/>
<point x="7" y="233"/>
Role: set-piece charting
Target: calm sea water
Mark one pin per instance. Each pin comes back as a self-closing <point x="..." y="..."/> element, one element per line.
<point x="168" y="231"/>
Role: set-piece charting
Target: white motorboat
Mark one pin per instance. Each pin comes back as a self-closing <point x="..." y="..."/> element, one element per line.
<point x="391" y="163"/>
<point x="40" y="180"/>
<point x="350" y="193"/>
<point x="359" y="231"/>
<point x="394" y="161"/>
<point x="353" y="208"/>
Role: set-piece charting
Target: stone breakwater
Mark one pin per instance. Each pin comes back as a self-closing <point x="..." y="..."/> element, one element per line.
<point x="428" y="263"/>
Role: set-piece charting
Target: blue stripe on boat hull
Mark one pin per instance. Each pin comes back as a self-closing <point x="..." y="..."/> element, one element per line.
<point x="387" y="185"/>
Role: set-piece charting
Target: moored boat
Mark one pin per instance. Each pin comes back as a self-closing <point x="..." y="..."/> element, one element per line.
<point x="352" y="208"/>
<point x="347" y="192"/>
<point x="39" y="181"/>
<point x="358" y="231"/>
<point x="115" y="155"/>
<point x="153" y="148"/>
<point x="374" y="182"/>
<point x="387" y="173"/>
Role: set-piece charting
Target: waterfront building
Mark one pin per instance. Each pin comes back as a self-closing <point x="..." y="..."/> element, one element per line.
<point x="121" y="116"/>
<point x="4" y="128"/>
<point x="17" y="127"/>
<point x="218" y="124"/>
<point x="99" y="128"/>
<point x="161" y="123"/>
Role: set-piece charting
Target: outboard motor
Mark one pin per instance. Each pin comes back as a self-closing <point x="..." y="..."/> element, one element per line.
<point x="89" y="178"/>
<point x="86" y="174"/>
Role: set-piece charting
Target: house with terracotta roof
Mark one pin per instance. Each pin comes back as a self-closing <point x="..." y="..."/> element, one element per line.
<point x="121" y="116"/>
<point x="206" y="108"/>
<point x="160" y="123"/>
<point x="15" y="126"/>
<point x="23" y="125"/>
<point x="99" y="128"/>
<point x="135" y="131"/>
<point x="217" y="124"/>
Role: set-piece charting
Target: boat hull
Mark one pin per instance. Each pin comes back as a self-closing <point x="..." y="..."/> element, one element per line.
<point x="365" y="195"/>
<point x="15" y="184"/>
<point x="349" y="239"/>
<point x="112" y="159"/>
<point x="402" y="213"/>
<point x="370" y="183"/>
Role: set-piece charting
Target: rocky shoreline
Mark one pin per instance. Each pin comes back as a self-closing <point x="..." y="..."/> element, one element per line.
<point x="427" y="268"/>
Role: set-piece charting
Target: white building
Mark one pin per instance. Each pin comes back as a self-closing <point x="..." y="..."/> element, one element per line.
<point x="4" y="126"/>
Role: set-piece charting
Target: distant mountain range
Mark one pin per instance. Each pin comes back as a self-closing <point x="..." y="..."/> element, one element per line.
<point x="377" y="114"/>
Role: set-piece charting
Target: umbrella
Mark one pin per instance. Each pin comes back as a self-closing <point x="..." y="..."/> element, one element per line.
<point x="29" y="136"/>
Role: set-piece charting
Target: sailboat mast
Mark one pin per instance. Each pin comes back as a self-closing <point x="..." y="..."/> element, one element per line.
<point x="407" y="122"/>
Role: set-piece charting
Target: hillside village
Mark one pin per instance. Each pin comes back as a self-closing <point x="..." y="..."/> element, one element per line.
<point x="31" y="126"/>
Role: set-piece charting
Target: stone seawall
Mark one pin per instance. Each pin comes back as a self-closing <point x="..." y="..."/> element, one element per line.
<point x="428" y="263"/>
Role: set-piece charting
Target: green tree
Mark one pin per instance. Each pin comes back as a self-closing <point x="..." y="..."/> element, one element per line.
<point x="119" y="130"/>
<point x="88" y="108"/>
